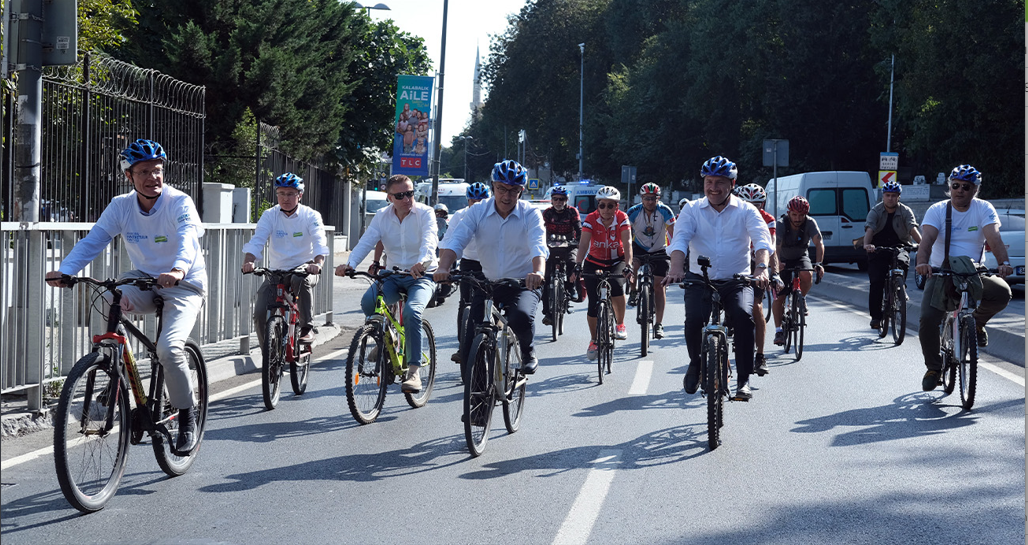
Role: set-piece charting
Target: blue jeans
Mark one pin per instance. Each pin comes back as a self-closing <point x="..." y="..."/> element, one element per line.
<point x="419" y="293"/>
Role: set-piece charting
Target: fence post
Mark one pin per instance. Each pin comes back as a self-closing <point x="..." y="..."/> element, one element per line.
<point x="35" y="374"/>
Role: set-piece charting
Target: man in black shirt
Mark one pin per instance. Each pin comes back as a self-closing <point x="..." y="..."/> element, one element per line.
<point x="889" y="223"/>
<point x="563" y="231"/>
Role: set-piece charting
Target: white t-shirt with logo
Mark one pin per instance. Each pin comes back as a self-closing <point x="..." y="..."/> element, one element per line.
<point x="967" y="237"/>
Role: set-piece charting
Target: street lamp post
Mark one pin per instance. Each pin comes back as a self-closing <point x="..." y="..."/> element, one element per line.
<point x="466" y="138"/>
<point x="439" y="111"/>
<point x="369" y="8"/>
<point x="581" y="107"/>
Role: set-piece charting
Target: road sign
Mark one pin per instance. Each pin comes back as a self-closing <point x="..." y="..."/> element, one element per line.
<point x="886" y="176"/>
<point x="533" y="183"/>
<point x="776" y="152"/>
<point x="888" y="161"/>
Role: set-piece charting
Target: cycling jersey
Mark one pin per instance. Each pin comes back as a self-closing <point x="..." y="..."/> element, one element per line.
<point x="605" y="246"/>
<point x="650" y="230"/>
<point x="793" y="243"/>
<point x="770" y="221"/>
<point x="566" y="223"/>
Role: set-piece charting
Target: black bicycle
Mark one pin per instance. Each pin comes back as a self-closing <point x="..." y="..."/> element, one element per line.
<point x="559" y="300"/>
<point x="605" y="322"/>
<point x="794" y="322"/>
<point x="646" y="310"/>
<point x="894" y="296"/>
<point x="95" y="421"/>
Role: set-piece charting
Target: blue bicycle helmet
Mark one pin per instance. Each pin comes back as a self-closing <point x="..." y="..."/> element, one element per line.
<point x="141" y="150"/>
<point x="478" y="190"/>
<point x="559" y="190"/>
<point x="509" y="172"/>
<point x="290" y="180"/>
<point x="966" y="173"/>
<point x="719" y="166"/>
<point x="892" y="187"/>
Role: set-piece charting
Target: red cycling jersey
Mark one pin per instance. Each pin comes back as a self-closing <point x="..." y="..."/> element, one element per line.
<point x="605" y="245"/>
<point x="770" y="221"/>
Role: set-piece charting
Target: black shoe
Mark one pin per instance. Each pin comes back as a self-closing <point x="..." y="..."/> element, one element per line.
<point x="547" y="320"/>
<point x="983" y="337"/>
<point x="761" y="365"/>
<point x="455" y="358"/>
<point x="529" y="363"/>
<point x="876" y="324"/>
<point x="633" y="300"/>
<point x="780" y="338"/>
<point x="691" y="381"/>
<point x="930" y="380"/>
<point x="186" y="431"/>
<point x="743" y="392"/>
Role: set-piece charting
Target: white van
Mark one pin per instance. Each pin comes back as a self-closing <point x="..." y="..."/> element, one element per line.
<point x="453" y="192"/>
<point x="839" y="202"/>
<point x="582" y="196"/>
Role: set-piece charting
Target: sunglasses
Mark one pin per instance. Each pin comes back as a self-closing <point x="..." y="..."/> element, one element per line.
<point x="604" y="206"/>
<point x="965" y="187"/>
<point x="403" y="195"/>
<point x="560" y="199"/>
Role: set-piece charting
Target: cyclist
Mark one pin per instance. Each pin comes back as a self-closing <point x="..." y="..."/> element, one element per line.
<point x="161" y="230"/>
<point x="442" y="221"/>
<point x="511" y="242"/>
<point x="469" y="263"/>
<point x="974" y="223"/>
<point x="406" y="229"/>
<point x="681" y="204"/>
<point x="889" y="223"/>
<point x="755" y="195"/>
<point x="606" y="246"/>
<point x="297" y="238"/>
<point x="561" y="220"/>
<point x="722" y="228"/>
<point x="795" y="230"/>
<point x="653" y="225"/>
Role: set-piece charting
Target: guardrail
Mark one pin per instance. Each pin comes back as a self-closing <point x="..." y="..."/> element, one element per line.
<point x="46" y="330"/>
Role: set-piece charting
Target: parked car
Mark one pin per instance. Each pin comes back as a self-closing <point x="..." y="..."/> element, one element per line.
<point x="1011" y="230"/>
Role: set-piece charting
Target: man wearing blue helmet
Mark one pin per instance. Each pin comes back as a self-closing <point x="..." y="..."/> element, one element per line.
<point x="161" y="231"/>
<point x="511" y="241"/>
<point x="972" y="223"/>
<point x="297" y="240"/>
<point x="889" y="224"/>
<point x="469" y="263"/>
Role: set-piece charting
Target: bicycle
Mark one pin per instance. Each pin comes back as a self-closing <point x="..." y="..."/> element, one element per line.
<point x="282" y="339"/>
<point x="494" y="367"/>
<point x="377" y="357"/>
<point x="95" y="422"/>
<point x="646" y="311"/>
<point x="560" y="301"/>
<point x="894" y="297"/>
<point x="959" y="345"/>
<point x="795" y="320"/>
<point x="605" y="323"/>
<point x="714" y="367"/>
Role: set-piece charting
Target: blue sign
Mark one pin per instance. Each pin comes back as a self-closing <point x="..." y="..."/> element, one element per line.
<point x="533" y="183"/>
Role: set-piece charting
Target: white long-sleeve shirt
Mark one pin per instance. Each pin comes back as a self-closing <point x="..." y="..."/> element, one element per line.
<point x="471" y="250"/>
<point x="411" y="241"/>
<point x="295" y="239"/>
<point x="506" y="246"/>
<point x="166" y="238"/>
<point x="725" y="237"/>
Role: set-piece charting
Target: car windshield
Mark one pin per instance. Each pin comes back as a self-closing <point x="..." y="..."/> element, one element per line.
<point x="376" y="205"/>
<point x="454" y="202"/>
<point x="1010" y="222"/>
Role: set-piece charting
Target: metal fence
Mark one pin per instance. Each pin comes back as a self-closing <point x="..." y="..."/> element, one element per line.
<point x="46" y="330"/>
<point x="92" y="111"/>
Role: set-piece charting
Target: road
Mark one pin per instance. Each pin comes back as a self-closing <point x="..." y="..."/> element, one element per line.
<point x="841" y="447"/>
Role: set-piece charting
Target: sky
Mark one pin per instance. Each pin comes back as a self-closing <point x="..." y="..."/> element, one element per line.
<point x="469" y="23"/>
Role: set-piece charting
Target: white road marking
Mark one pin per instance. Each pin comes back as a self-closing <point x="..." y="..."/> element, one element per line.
<point x="580" y="520"/>
<point x="1003" y="373"/>
<point x="641" y="382"/>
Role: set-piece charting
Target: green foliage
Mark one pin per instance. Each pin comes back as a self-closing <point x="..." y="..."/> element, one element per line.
<point x="100" y="21"/>
<point x="233" y="162"/>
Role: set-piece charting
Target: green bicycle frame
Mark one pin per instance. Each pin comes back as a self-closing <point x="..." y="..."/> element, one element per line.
<point x="395" y="353"/>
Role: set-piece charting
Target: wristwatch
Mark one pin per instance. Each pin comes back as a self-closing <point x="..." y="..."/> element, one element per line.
<point x="1007" y="263"/>
<point x="762" y="266"/>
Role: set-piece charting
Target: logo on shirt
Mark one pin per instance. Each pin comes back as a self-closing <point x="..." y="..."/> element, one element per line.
<point x="135" y="238"/>
<point x="972" y="228"/>
<point x="281" y="234"/>
<point x="182" y="218"/>
<point x="160" y="238"/>
<point x="298" y="234"/>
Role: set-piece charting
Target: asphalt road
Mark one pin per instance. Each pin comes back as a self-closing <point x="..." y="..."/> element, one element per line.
<point x="841" y="447"/>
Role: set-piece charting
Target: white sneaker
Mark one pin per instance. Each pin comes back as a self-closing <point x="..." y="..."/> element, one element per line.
<point x="413" y="383"/>
<point x="621" y="332"/>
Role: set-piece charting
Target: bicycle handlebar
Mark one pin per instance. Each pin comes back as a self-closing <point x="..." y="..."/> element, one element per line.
<point x="144" y="283"/>
<point x="299" y="271"/>
<point x="380" y="275"/>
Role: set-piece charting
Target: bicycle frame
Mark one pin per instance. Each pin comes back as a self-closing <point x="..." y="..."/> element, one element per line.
<point x="391" y="327"/>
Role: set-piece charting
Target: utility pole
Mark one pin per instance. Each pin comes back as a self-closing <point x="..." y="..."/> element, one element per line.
<point x="439" y="112"/>
<point x="27" y="147"/>
<point x="892" y="74"/>
<point x="581" y="107"/>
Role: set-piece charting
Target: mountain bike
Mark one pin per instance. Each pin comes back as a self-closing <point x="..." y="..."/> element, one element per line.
<point x="377" y="357"/>
<point x="894" y="297"/>
<point x="494" y="367"/>
<point x="646" y="311"/>
<point x="96" y="421"/>
<point x="959" y="345"/>
<point x="605" y="323"/>
<point x="560" y="301"/>
<point x="282" y="344"/>
<point x="794" y="322"/>
<point x="714" y="366"/>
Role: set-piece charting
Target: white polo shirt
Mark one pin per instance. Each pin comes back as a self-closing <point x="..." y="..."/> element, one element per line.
<point x="295" y="239"/>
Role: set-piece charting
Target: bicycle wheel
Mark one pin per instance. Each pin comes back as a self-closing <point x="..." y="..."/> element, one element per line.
<point x="899" y="313"/>
<point x="273" y="361"/>
<point x="91" y="436"/>
<point x="365" y="370"/>
<point x="556" y="289"/>
<point x="645" y="300"/>
<point x="770" y="296"/>
<point x="604" y="338"/>
<point x="479" y="395"/>
<point x="886" y="313"/>
<point x="300" y="369"/>
<point x="968" y="361"/>
<point x="563" y="306"/>
<point x="427" y="369"/>
<point x="714" y="390"/>
<point x="801" y="321"/>
<point x="787" y="326"/>
<point x="465" y="330"/>
<point x="514" y="383"/>
<point x="172" y="463"/>
<point x="949" y="359"/>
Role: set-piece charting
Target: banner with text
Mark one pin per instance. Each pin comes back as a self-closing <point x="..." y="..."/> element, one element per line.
<point x="413" y="119"/>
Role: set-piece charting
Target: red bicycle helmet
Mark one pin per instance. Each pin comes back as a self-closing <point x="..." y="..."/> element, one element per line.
<point x="799" y="204"/>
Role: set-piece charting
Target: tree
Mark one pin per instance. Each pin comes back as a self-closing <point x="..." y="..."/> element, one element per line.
<point x="99" y="22"/>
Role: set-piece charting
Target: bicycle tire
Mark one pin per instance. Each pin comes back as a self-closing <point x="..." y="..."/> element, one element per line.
<point x="801" y="316"/>
<point x="899" y="314"/>
<point x="479" y="395"/>
<point x="464" y="324"/>
<point x="611" y="337"/>
<point x="885" y="313"/>
<point x="555" y="308"/>
<point x="365" y="382"/>
<point x="170" y="462"/>
<point x="90" y="465"/>
<point x="645" y="300"/>
<point x="787" y="326"/>
<point x="513" y="395"/>
<point x="714" y="391"/>
<point x="968" y="361"/>
<point x="273" y="361"/>
<point x="603" y="339"/>
<point x="559" y="317"/>
<point x="300" y="368"/>
<point x="418" y="400"/>
<point x="949" y="359"/>
<point x="769" y="294"/>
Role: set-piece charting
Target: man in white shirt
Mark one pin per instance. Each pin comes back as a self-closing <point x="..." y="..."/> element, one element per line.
<point x="161" y="230"/>
<point x="407" y="231"/>
<point x="723" y="228"/>
<point x="469" y="263"/>
<point x="973" y="223"/>
<point x="297" y="237"/>
<point x="511" y="239"/>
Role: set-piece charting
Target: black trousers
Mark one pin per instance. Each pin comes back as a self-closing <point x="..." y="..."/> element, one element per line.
<point x="737" y="300"/>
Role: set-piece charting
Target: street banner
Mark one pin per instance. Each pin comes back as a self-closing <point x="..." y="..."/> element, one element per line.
<point x="413" y="119"/>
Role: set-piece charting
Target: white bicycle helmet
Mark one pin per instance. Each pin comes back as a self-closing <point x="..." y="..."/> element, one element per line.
<point x="442" y="207"/>
<point x="608" y="192"/>
<point x="682" y="203"/>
